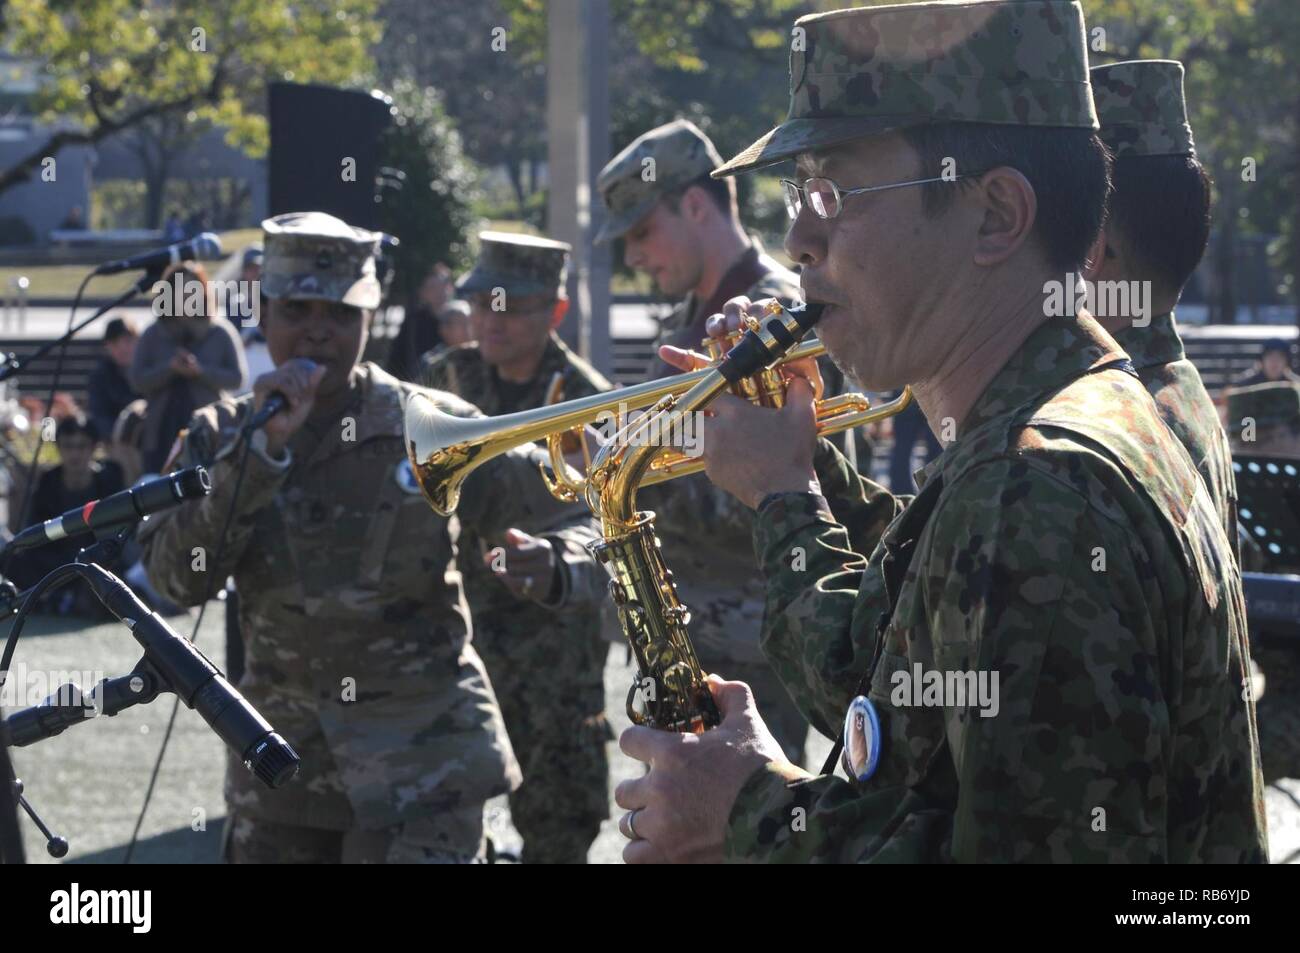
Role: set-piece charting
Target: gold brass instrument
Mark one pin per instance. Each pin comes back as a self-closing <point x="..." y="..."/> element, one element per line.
<point x="669" y="691"/>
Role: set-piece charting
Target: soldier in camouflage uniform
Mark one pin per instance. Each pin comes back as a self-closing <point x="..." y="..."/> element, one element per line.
<point x="1063" y="544"/>
<point x="1156" y="231"/>
<point x="356" y="629"/>
<point x="660" y="200"/>
<point x="547" y="668"/>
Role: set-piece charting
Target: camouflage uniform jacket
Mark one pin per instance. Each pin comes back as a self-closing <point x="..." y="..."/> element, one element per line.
<point x="1185" y="405"/>
<point x="462" y="371"/>
<point x="705" y="532"/>
<point x="351" y="609"/>
<point x="1064" y="542"/>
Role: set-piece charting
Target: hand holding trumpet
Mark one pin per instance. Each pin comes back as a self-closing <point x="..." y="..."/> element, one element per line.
<point x="753" y="451"/>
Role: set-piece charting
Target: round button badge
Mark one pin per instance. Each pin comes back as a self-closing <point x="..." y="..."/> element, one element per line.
<point x="862" y="738"/>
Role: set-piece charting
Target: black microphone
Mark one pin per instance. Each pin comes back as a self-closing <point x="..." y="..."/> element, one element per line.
<point x="205" y="245"/>
<point x="199" y="684"/>
<point x="121" y="509"/>
<point x="275" y="402"/>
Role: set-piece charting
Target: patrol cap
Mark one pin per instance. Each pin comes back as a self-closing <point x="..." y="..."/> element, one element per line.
<point x="629" y="185"/>
<point x="315" y="256"/>
<point x="1141" y="108"/>
<point x="521" y="264"/>
<point x="870" y="70"/>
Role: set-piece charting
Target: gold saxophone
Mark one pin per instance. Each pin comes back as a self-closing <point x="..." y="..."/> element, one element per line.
<point x="669" y="690"/>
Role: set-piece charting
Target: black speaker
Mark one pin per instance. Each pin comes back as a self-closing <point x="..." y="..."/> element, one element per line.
<point x="314" y="129"/>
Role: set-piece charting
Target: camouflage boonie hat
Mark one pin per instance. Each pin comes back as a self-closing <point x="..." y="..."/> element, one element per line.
<point x="1141" y="107"/>
<point x="629" y="189"/>
<point x="314" y="256"/>
<point x="521" y="264"/>
<point x="870" y="70"/>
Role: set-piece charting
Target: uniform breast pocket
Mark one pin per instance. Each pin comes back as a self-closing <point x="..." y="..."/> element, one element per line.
<point x="912" y="728"/>
<point x="407" y="547"/>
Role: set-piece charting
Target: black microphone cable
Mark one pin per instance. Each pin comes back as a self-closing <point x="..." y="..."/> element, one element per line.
<point x="194" y="637"/>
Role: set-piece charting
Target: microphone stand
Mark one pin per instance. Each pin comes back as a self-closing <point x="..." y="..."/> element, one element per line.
<point x="11" y="365"/>
<point x="140" y="687"/>
<point x="103" y="552"/>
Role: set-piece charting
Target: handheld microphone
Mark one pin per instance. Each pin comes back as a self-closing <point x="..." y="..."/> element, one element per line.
<point x="205" y="245"/>
<point x="199" y="684"/>
<point x="120" y="509"/>
<point x="275" y="402"/>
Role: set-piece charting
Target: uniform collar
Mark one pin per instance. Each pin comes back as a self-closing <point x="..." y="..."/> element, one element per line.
<point x="1057" y="352"/>
<point x="1156" y="344"/>
<point x="376" y="408"/>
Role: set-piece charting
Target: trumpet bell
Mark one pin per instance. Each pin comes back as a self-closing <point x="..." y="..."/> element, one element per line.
<point x="444" y="449"/>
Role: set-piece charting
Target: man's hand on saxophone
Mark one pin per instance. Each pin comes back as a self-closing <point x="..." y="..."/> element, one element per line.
<point x="677" y="811"/>
<point x="753" y="451"/>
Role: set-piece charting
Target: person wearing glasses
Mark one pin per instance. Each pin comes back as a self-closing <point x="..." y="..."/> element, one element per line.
<point x="1062" y="550"/>
<point x="548" y="669"/>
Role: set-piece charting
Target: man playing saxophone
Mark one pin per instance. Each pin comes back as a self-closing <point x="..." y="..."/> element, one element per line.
<point x="1063" y="546"/>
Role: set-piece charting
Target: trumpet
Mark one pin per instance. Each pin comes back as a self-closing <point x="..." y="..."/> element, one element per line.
<point x="669" y="690"/>
<point x="445" y="449"/>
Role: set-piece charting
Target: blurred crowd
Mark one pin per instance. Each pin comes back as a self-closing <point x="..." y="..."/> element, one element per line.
<point x="148" y="383"/>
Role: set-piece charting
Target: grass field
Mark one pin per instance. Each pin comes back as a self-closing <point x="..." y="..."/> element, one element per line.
<point x="61" y="281"/>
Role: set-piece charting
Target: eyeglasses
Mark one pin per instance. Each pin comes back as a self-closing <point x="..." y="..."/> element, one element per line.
<point x="827" y="199"/>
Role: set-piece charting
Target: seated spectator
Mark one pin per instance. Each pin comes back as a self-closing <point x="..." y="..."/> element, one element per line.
<point x="419" y="332"/>
<point x="110" y="385"/>
<point x="1274" y="365"/>
<point x="77" y="479"/>
<point x="184" y="360"/>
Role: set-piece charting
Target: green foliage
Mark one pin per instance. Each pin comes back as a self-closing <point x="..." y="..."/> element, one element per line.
<point x="432" y="213"/>
<point x="496" y="96"/>
<point x="110" y="64"/>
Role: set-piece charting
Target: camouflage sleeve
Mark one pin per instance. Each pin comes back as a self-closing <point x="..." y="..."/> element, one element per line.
<point x="436" y="373"/>
<point x="864" y="508"/>
<point x="814" y="576"/>
<point x="584" y="582"/>
<point x="1011" y="588"/>
<point x="175" y="541"/>
<point x="508" y="492"/>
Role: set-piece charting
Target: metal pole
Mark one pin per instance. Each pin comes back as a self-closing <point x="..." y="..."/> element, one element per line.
<point x="566" y="151"/>
<point x="596" y="346"/>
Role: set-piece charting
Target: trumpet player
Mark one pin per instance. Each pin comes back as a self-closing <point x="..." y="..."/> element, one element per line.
<point x="682" y="228"/>
<point x="355" y="627"/>
<point x="1062" y="550"/>
<point x="556" y="723"/>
